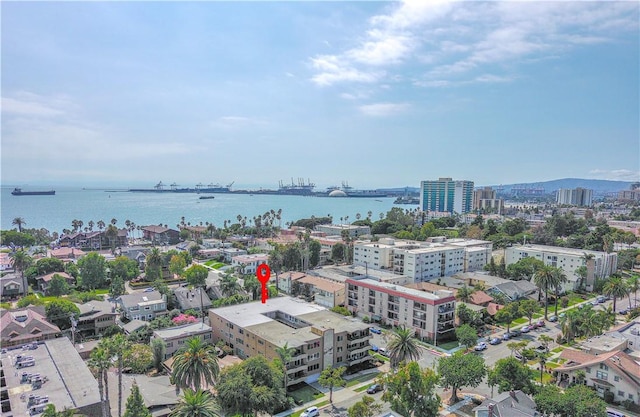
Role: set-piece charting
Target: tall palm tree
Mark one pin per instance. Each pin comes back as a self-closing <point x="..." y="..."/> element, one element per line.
<point x="229" y="284"/>
<point x="196" y="404"/>
<point x="18" y="221"/>
<point x="569" y="325"/>
<point x="99" y="363"/>
<point x="633" y="283"/>
<point x="560" y="278"/>
<point x="195" y="364"/>
<point x="20" y="260"/>
<point x="117" y="347"/>
<point x="285" y="353"/>
<point x="616" y="288"/>
<point x="403" y="346"/>
<point x="544" y="279"/>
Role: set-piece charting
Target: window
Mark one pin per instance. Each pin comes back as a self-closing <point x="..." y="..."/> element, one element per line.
<point x="588" y="370"/>
<point x="602" y="375"/>
<point x="621" y="393"/>
<point x="616" y="378"/>
<point x="604" y="367"/>
<point x="339" y="349"/>
<point x="339" y="359"/>
<point x="631" y="397"/>
<point x="340" y="338"/>
<point x="240" y="331"/>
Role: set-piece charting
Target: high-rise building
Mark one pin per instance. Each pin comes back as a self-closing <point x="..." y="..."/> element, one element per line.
<point x="485" y="199"/>
<point x="575" y="197"/>
<point x="446" y="195"/>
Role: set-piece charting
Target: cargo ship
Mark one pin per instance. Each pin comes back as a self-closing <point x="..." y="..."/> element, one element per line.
<point x="18" y="191"/>
<point x="174" y="188"/>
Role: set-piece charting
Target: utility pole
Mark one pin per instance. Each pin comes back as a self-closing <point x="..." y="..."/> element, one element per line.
<point x="74" y="324"/>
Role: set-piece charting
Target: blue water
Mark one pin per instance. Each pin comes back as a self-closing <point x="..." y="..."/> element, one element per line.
<point x="55" y="213"/>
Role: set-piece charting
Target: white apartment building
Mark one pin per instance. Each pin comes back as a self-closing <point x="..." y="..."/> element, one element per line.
<point x="176" y="337"/>
<point x="575" y="197"/>
<point x="337" y="229"/>
<point x="249" y="263"/>
<point x="429" y="314"/>
<point x="422" y="261"/>
<point x="569" y="260"/>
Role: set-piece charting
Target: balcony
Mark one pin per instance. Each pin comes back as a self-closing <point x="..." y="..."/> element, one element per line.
<point x="356" y="361"/>
<point x="292" y="369"/>
<point x="446" y="319"/>
<point x="296" y="379"/>
<point x="356" y="336"/>
<point x="359" y="349"/>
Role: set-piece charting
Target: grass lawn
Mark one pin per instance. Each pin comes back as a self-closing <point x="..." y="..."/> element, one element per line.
<point x="305" y="394"/>
<point x="362" y="378"/>
<point x="362" y="388"/>
<point x="546" y="378"/>
<point x="378" y="356"/>
<point x="448" y="345"/>
<point x="552" y="365"/>
<point x="214" y="264"/>
<point x="521" y="320"/>
<point x="557" y="349"/>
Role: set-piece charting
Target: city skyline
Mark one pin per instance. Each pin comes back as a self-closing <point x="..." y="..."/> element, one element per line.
<point x="378" y="94"/>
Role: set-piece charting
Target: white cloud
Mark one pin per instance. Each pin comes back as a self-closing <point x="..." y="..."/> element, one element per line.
<point x="30" y="104"/>
<point x="616" y="174"/>
<point x="383" y="109"/>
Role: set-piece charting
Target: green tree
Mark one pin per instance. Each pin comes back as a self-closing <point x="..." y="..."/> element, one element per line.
<point x="20" y="261"/>
<point x="460" y="370"/>
<point x="135" y="404"/>
<point x="528" y="308"/>
<point x="93" y="270"/>
<point x="50" y="411"/>
<point x="159" y="349"/>
<point x="139" y="358"/>
<point x="314" y="253"/>
<point x="615" y="287"/>
<point x="59" y="312"/>
<point x="117" y="346"/>
<point x="58" y="286"/>
<point x="331" y="378"/>
<point x="154" y="263"/>
<point x="18" y="221"/>
<point x="195" y="365"/>
<point x="367" y="407"/>
<point x="177" y="265"/>
<point x="196" y="276"/>
<point x="545" y="278"/>
<point x="633" y="284"/>
<point x="403" y="347"/>
<point x="507" y="314"/>
<point x="466" y="335"/>
<point x="116" y="288"/>
<point x="99" y="363"/>
<point x="576" y="401"/>
<point x="49" y="265"/>
<point x="252" y="286"/>
<point x="124" y="268"/>
<point x="510" y="374"/>
<point x="16" y="239"/>
<point x="560" y="278"/>
<point x="524" y="269"/>
<point x="229" y="284"/>
<point x="412" y="391"/>
<point x="465" y="293"/>
<point x="337" y="252"/>
<point x="285" y="353"/>
<point x="196" y="404"/>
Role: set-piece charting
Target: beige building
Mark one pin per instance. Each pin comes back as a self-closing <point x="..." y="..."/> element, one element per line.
<point x="569" y="260"/>
<point x="321" y="339"/>
<point x="249" y="263"/>
<point x="175" y="337"/>
<point x="613" y="371"/>
<point x="430" y="314"/>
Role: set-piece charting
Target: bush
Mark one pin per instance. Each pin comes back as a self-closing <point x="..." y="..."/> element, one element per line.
<point x="366" y="319"/>
<point x="564" y="302"/>
<point x="112" y="330"/>
<point x="341" y="310"/>
<point x="29" y="300"/>
<point x="608" y="397"/>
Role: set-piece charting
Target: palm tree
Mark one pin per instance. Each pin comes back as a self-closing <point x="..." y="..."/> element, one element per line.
<point x="569" y="325"/>
<point x="542" y="360"/>
<point x="99" y="363"/>
<point x="229" y="284"/>
<point x="196" y="404"/>
<point x="465" y="293"/>
<point x="117" y="347"/>
<point x="544" y="279"/>
<point x="616" y="288"/>
<point x="20" y="261"/>
<point x="195" y="364"/>
<point x="634" y="285"/>
<point x="560" y="279"/>
<point x="285" y="353"/>
<point x="590" y="264"/>
<point x="18" y="221"/>
<point x="403" y="346"/>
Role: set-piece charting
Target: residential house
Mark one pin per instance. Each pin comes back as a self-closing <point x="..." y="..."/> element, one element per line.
<point x="44" y="280"/>
<point x="160" y="235"/>
<point x="516" y="290"/>
<point x="321" y="339"/>
<point x="95" y="317"/>
<point x="133" y="326"/>
<point x="325" y="292"/>
<point x="19" y="327"/>
<point x="67" y="253"/>
<point x="229" y="253"/>
<point x="11" y="286"/>
<point x="175" y="337"/>
<point x="192" y="299"/>
<point x="5" y="262"/>
<point x="142" y="306"/>
<point x="615" y="372"/>
<point x="507" y="404"/>
<point x="89" y="240"/>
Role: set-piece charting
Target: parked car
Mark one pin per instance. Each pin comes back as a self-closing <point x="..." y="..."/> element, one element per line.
<point x="541" y="348"/>
<point x="148" y="289"/>
<point x="518" y="355"/>
<point x="374" y="348"/>
<point x="540" y="323"/>
<point x="481" y="346"/>
<point x="374" y="388"/>
<point x="515" y="333"/>
<point x="553" y="319"/>
<point x="375" y="330"/>
<point x="525" y="329"/>
<point x="601" y="299"/>
<point x="310" y="412"/>
<point x="495" y="341"/>
<point x="383" y="352"/>
<point x="506" y="336"/>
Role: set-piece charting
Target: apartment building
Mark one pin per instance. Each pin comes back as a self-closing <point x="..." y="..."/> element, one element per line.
<point x="321" y="339"/>
<point x="448" y="195"/>
<point x="423" y="261"/>
<point x="430" y="314"/>
<point x="175" y="337"/>
<point x="575" y="197"/>
<point x="248" y="264"/>
<point x="142" y="306"/>
<point x="485" y="199"/>
<point x="601" y="265"/>
<point x="337" y="229"/>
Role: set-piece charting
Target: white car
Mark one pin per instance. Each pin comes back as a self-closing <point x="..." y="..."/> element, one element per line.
<point x="310" y="412"/>
<point x="481" y="346"/>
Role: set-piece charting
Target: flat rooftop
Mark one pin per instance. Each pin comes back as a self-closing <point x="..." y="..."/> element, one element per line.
<point x="181" y="331"/>
<point x="403" y="290"/>
<point x="69" y="384"/>
<point x="250" y="314"/>
<point x="556" y="249"/>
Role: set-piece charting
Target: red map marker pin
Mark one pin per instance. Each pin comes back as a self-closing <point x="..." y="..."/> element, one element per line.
<point x="263" y="273"/>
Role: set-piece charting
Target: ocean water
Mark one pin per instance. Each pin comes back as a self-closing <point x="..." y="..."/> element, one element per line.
<point x="56" y="213"/>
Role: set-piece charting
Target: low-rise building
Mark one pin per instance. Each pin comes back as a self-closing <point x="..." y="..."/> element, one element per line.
<point x="598" y="264"/>
<point x="44" y="280"/>
<point x="11" y="286"/>
<point x="95" y="317"/>
<point x="229" y="253"/>
<point x="56" y="375"/>
<point x="325" y="292"/>
<point x="160" y="235"/>
<point x="67" y="254"/>
<point x="615" y="372"/>
<point x="19" y="327"/>
<point x="507" y="404"/>
<point x="175" y="337"/>
<point x="142" y="306"/>
<point x="321" y="339"/>
<point x="248" y="264"/>
<point x="516" y="290"/>
<point x="337" y="229"/>
<point x="192" y="299"/>
<point x="430" y="314"/>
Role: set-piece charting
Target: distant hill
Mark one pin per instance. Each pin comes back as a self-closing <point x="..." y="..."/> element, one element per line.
<point x="598" y="186"/>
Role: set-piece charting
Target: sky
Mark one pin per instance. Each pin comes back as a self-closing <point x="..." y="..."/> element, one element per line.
<point x="378" y="94"/>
